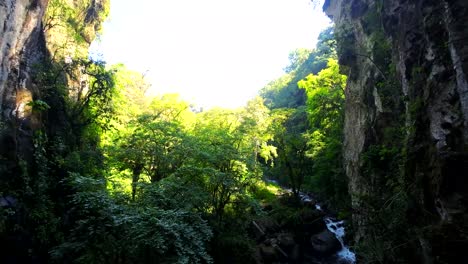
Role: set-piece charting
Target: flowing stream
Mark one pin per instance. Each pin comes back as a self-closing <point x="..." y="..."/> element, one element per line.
<point x="336" y="227"/>
<point x="345" y="255"/>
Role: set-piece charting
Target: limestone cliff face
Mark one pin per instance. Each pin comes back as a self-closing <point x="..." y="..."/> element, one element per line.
<point x="36" y="33"/>
<point x="21" y="46"/>
<point x="407" y="63"/>
<point x="35" y="38"/>
<point x="20" y="43"/>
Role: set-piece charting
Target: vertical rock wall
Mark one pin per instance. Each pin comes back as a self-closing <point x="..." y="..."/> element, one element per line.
<point x="34" y="125"/>
<point x="26" y="47"/>
<point x="420" y="87"/>
<point x="22" y="46"/>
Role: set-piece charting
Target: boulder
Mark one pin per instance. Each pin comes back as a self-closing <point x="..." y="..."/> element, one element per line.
<point x="295" y="253"/>
<point x="269" y="225"/>
<point x="325" y="243"/>
<point x="313" y="222"/>
<point x="309" y="215"/>
<point x="268" y="253"/>
<point x="286" y="241"/>
<point x="314" y="227"/>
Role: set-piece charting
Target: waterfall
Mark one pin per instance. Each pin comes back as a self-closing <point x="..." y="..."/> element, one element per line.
<point x="337" y="228"/>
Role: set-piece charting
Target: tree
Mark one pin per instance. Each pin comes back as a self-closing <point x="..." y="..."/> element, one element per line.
<point x="154" y="143"/>
<point x="284" y="92"/>
<point x="130" y="98"/>
<point x="221" y="149"/>
<point x="325" y="109"/>
<point x="297" y="58"/>
<point x="106" y="230"/>
<point x="288" y="128"/>
<point x="325" y="98"/>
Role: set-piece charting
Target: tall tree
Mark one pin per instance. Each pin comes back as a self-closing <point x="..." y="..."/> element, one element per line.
<point x="325" y="109"/>
<point x="288" y="128"/>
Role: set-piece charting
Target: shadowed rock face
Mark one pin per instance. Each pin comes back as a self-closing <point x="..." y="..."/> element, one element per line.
<point x="22" y="45"/>
<point x="325" y="242"/>
<point x="24" y="48"/>
<point x="24" y="51"/>
<point x="419" y="86"/>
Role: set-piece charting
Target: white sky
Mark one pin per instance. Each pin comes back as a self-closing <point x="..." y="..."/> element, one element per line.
<point x="212" y="52"/>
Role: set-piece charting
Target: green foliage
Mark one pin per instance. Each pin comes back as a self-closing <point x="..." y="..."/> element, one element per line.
<point x="71" y="26"/>
<point x="326" y="44"/>
<point x="288" y="127"/>
<point x="204" y="164"/>
<point x="38" y="106"/>
<point x="265" y="192"/>
<point x="296" y="59"/>
<point x="116" y="178"/>
<point x="129" y="98"/>
<point x="90" y="93"/>
<point x="152" y="145"/>
<point x="284" y="92"/>
<point x="372" y="21"/>
<point x="381" y="159"/>
<point x="345" y="41"/>
<point x="308" y="135"/>
<point x="390" y="235"/>
<point x="106" y="231"/>
<point x="83" y="89"/>
<point x="230" y="143"/>
<point x="73" y="107"/>
<point x="185" y="189"/>
<point x="325" y="105"/>
<point x="325" y="93"/>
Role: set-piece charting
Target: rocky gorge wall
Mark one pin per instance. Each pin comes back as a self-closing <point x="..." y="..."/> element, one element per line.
<point x="406" y="126"/>
<point x="37" y="35"/>
<point x="22" y="45"/>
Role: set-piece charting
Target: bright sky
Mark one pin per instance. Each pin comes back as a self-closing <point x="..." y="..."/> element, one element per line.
<point x="212" y="52"/>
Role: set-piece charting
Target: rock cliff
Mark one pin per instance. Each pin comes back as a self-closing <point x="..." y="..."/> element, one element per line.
<point x="406" y="127"/>
<point x="22" y="45"/>
<point x="36" y="37"/>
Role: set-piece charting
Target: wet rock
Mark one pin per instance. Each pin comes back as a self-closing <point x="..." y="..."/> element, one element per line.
<point x="269" y="225"/>
<point x="8" y="201"/>
<point x="295" y="253"/>
<point x="325" y="243"/>
<point x="286" y="241"/>
<point x="271" y="241"/>
<point x="313" y="222"/>
<point x="268" y="253"/>
<point x="311" y="215"/>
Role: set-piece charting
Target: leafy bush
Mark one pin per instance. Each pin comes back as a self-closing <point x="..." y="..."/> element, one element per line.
<point x="104" y="231"/>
